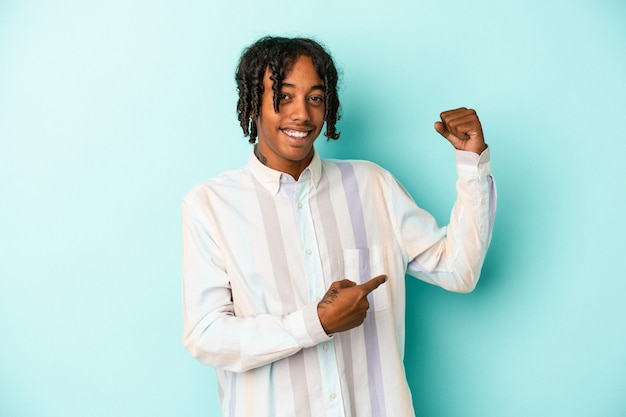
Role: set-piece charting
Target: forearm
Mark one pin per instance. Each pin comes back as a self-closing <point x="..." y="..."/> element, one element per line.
<point x="454" y="262"/>
<point x="222" y="340"/>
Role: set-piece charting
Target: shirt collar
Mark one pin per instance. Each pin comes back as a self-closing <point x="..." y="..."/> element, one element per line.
<point x="271" y="179"/>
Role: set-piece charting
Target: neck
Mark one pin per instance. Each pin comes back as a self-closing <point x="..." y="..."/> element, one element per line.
<point x="259" y="155"/>
<point x="293" y="168"/>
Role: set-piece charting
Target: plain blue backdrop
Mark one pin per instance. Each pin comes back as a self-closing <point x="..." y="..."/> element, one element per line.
<point x="111" y="111"/>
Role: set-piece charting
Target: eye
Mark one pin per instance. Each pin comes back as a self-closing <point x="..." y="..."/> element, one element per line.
<point x="283" y="97"/>
<point x="317" y="100"/>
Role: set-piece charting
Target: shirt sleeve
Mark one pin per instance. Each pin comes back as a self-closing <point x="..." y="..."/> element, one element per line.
<point x="213" y="333"/>
<point x="451" y="257"/>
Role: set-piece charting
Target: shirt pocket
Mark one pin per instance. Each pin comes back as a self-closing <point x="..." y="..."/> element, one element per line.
<point x="360" y="265"/>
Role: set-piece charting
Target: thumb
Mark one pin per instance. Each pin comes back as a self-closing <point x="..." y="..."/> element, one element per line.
<point x="441" y="129"/>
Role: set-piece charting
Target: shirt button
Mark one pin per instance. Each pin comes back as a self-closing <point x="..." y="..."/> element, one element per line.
<point x="299" y="205"/>
<point x="333" y="396"/>
<point x="308" y="251"/>
<point x="325" y="346"/>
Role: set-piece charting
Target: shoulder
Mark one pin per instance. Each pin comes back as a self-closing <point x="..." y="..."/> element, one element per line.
<point x="363" y="170"/>
<point x="221" y="184"/>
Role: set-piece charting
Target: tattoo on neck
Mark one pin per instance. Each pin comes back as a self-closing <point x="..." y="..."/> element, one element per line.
<point x="329" y="297"/>
<point x="259" y="155"/>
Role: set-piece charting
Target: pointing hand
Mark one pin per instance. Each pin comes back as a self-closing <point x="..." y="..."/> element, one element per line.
<point x="345" y="304"/>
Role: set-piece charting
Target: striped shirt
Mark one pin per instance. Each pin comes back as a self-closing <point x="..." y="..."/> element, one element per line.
<point x="260" y="249"/>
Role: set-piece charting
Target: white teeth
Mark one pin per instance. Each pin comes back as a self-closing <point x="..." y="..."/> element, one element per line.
<point x="295" y="133"/>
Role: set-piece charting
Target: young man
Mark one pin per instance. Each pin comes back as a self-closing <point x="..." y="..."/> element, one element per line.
<point x="294" y="266"/>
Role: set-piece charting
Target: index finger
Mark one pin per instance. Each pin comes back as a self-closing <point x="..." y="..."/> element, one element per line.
<point x="374" y="283"/>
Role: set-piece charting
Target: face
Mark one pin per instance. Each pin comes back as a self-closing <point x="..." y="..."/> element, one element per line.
<point x="286" y="138"/>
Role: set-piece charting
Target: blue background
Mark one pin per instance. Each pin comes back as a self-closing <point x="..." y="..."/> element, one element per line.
<point x="111" y="111"/>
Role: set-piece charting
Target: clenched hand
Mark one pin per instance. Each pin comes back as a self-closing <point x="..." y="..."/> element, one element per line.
<point x="462" y="129"/>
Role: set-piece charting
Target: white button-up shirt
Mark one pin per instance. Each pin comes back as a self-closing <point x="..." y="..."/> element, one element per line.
<point x="260" y="251"/>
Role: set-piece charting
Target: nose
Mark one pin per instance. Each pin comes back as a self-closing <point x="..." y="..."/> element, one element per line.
<point x="300" y="110"/>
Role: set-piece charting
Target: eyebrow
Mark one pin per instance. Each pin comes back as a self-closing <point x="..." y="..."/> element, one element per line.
<point x="315" y="87"/>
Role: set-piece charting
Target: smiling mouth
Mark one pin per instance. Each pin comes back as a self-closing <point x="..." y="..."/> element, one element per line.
<point x="296" y="134"/>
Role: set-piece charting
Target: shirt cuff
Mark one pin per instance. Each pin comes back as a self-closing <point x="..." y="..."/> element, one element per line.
<point x="306" y="327"/>
<point x="471" y="165"/>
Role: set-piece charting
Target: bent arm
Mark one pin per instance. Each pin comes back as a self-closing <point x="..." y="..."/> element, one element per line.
<point x="213" y="332"/>
<point x="454" y="256"/>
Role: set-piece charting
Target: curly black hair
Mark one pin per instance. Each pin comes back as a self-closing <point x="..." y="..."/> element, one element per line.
<point x="278" y="54"/>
